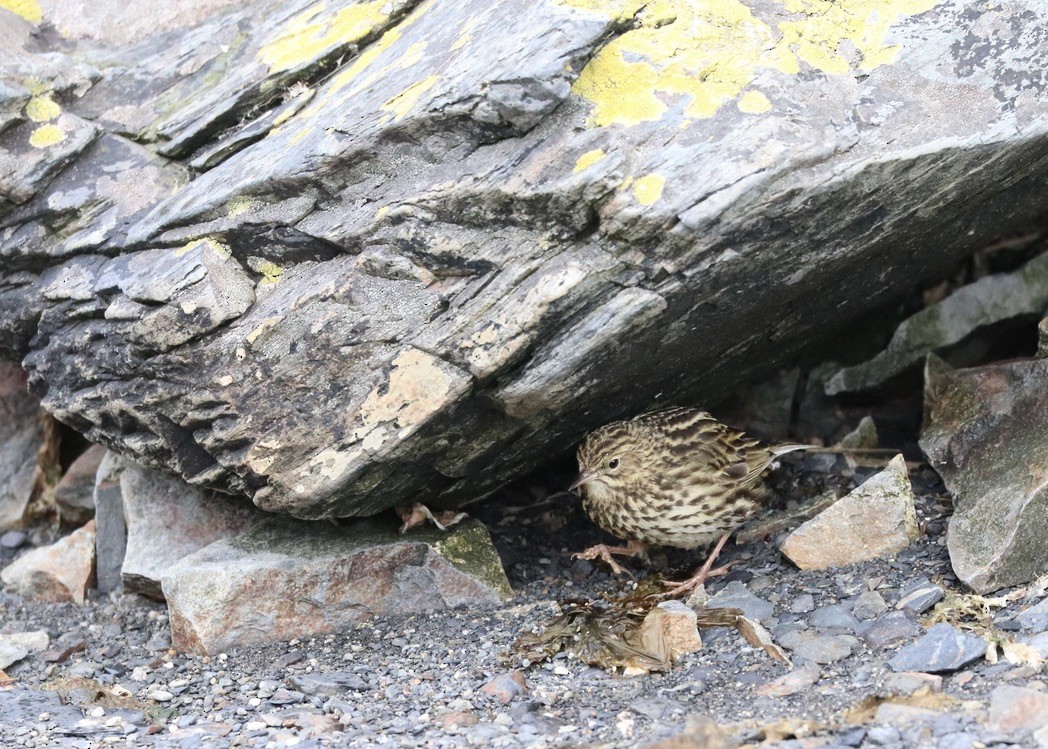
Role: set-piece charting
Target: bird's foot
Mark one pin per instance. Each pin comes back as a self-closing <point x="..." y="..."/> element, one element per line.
<point x="678" y="589"/>
<point x="604" y="552"/>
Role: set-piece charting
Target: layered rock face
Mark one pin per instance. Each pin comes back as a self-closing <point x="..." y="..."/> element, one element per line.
<point x="336" y="256"/>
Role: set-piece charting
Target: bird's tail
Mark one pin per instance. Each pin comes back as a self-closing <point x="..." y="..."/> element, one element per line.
<point x="778" y="450"/>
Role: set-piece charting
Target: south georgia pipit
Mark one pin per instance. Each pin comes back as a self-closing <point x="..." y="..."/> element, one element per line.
<point x="676" y="477"/>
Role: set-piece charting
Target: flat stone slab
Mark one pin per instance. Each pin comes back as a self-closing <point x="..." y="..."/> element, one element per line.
<point x="875" y="520"/>
<point x="291" y="579"/>
<point x="941" y="648"/>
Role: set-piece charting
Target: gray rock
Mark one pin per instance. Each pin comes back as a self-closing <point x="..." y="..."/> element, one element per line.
<point x="833" y="616"/>
<point x="234" y="593"/>
<point x="421" y="285"/>
<point x="1035" y="617"/>
<point x="887" y="629"/>
<point x="803" y="603"/>
<point x="919" y="596"/>
<point x="819" y="648"/>
<point x="110" y="524"/>
<point x="875" y="520"/>
<point x="167" y="519"/>
<point x="987" y="301"/>
<point x="868" y="605"/>
<point x="12" y="539"/>
<point x="942" y="648"/>
<point x="75" y="492"/>
<point x="20" y="438"/>
<point x="17" y="645"/>
<point x="985" y="437"/>
<point x="1039" y="642"/>
<point x="735" y="595"/>
<point x="908" y="682"/>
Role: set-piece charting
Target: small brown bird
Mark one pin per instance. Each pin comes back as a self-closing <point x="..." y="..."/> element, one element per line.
<point x="675" y="478"/>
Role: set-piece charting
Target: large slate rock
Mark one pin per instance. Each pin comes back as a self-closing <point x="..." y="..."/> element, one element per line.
<point x="985" y="435"/>
<point x="289" y="579"/>
<point x="431" y="243"/>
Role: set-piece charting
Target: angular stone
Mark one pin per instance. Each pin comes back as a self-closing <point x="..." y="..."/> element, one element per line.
<point x="20" y="438"/>
<point x="110" y="525"/>
<point x="674" y="626"/>
<point x="288" y="579"/>
<point x="819" y="648"/>
<point x="328" y="683"/>
<point x="1034" y="617"/>
<point x="984" y="435"/>
<point x="908" y="682"/>
<point x="792" y="682"/>
<point x="989" y="300"/>
<point x="941" y="648"/>
<point x="868" y="605"/>
<point x="75" y="492"/>
<point x="167" y="519"/>
<point x="1017" y="710"/>
<point x="62" y="571"/>
<point x="875" y="520"/>
<point x="894" y="714"/>
<point x="887" y="629"/>
<point x="458" y="269"/>
<point x="17" y="645"/>
<point x="505" y="687"/>
<point x="919" y="596"/>
<point x="735" y="595"/>
<point x="833" y="616"/>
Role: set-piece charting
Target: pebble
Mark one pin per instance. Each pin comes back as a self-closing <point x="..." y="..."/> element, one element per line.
<point x="869" y="605"/>
<point x="942" y="648"/>
<point x="506" y="686"/>
<point x="12" y="539"/>
<point x="908" y="682"/>
<point x="1018" y="710"/>
<point x="817" y="647"/>
<point x="160" y="695"/>
<point x="735" y="595"/>
<point x="794" y="681"/>
<point x="803" y="603"/>
<point x="1035" y="618"/>
<point x="919" y="596"/>
<point x="887" y="629"/>
<point x="834" y="616"/>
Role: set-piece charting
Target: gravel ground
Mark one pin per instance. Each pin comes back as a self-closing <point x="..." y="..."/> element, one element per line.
<point x="446" y="679"/>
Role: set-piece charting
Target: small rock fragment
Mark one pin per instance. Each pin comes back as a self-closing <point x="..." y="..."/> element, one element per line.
<point x="868" y="605"/>
<point x="675" y="626"/>
<point x="329" y="683"/>
<point x="110" y="525"/>
<point x="875" y="520"/>
<point x="792" y="682"/>
<point x="803" y="603"/>
<point x="18" y="645"/>
<point x="942" y="648"/>
<point x="863" y="437"/>
<point x="833" y="616"/>
<point x="819" y="648"/>
<point x="908" y="682"/>
<point x="919" y="596"/>
<point x="1018" y="710"/>
<point x="62" y="571"/>
<point x="899" y="715"/>
<point x="12" y="539"/>
<point x="1035" y="618"/>
<point x="63" y="647"/>
<point x="505" y="687"/>
<point x="887" y="629"/>
<point x="735" y="595"/>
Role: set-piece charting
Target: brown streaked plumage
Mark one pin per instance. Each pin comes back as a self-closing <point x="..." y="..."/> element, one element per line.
<point x="676" y="477"/>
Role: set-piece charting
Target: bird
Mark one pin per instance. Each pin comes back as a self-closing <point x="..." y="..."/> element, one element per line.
<point x="674" y="477"/>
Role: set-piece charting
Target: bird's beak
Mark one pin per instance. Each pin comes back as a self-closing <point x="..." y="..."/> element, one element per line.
<point x="581" y="479"/>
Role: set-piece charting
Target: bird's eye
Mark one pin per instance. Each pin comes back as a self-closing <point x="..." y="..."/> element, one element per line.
<point x="613" y="464"/>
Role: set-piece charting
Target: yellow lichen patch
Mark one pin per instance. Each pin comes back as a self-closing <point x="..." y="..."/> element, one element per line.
<point x="205" y="243"/>
<point x="703" y="53"/>
<point x="402" y="104"/>
<point x="42" y="108"/>
<point x="588" y="159"/>
<point x="310" y="33"/>
<point x="817" y="36"/>
<point x="241" y="205"/>
<point x="467" y="34"/>
<point x="754" y="102"/>
<point x="27" y="9"/>
<point x="648" y="189"/>
<point x="271" y="273"/>
<point x="46" y="135"/>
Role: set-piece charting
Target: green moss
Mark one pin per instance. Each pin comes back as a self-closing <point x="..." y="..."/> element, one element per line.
<point x="468" y="547"/>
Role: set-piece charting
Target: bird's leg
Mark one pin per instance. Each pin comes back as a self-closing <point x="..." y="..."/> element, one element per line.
<point x="704" y="572"/>
<point x="631" y="549"/>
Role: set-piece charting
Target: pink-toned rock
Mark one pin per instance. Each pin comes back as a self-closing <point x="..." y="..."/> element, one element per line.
<point x="62" y="571"/>
<point x="506" y="686"/>
<point x="74" y="494"/>
<point x="1018" y="710"/>
<point x="792" y="682"/>
<point x="20" y="438"/>
<point x="287" y="579"/>
<point x="167" y="519"/>
<point x="875" y="520"/>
